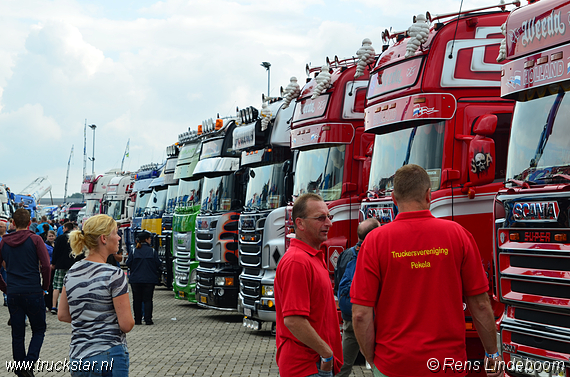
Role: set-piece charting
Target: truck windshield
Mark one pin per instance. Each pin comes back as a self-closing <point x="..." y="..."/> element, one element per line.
<point x="217" y="194"/>
<point x="188" y="193"/>
<point x="171" y="197"/>
<point x="92" y="207"/>
<point x="157" y="200"/>
<point x="320" y="171"/>
<point x="265" y="188"/>
<point x="115" y="209"/>
<point x="422" y="145"/>
<point x="539" y="145"/>
<point x="141" y="202"/>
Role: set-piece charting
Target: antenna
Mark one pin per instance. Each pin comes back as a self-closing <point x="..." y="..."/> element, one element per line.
<point x="450" y="56"/>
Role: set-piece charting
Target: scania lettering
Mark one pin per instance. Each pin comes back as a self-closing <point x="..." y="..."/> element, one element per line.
<point x="262" y="222"/>
<point x="441" y="109"/>
<point x="532" y="233"/>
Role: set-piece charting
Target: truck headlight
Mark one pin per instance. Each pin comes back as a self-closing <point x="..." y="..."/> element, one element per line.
<point x="224" y="280"/>
<point x="267" y="290"/>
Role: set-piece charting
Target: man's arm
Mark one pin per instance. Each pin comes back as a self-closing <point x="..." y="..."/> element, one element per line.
<point x="305" y="333"/>
<point x="484" y="320"/>
<point x="43" y="257"/>
<point x="363" y="323"/>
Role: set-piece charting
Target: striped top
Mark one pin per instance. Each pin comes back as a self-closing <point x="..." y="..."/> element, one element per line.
<point x="90" y="288"/>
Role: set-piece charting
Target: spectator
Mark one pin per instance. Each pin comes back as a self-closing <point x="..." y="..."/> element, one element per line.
<point x="40" y="229"/>
<point x="308" y="336"/>
<point x="43" y="235"/>
<point x="408" y="289"/>
<point x="144" y="264"/>
<point x="34" y="225"/>
<point x="61" y="262"/>
<point x="23" y="252"/>
<point x="350" y="347"/>
<point x="95" y="301"/>
<point x="3" y="226"/>
<point x="50" y="242"/>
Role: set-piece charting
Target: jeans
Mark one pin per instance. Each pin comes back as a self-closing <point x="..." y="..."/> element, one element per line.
<point x="142" y="293"/>
<point x="322" y="373"/>
<point x="3" y="272"/>
<point x="31" y="305"/>
<point x="112" y="363"/>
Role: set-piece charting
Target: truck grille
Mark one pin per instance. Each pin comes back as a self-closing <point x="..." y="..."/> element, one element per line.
<point x="182" y="271"/>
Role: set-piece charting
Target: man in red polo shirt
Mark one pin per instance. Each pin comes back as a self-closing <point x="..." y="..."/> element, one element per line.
<point x="308" y="335"/>
<point x="408" y="288"/>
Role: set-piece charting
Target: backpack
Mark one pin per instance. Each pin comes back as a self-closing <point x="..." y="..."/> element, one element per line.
<point x="344" y="286"/>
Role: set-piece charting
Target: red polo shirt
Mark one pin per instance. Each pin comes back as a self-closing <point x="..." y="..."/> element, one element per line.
<point x="414" y="272"/>
<point x="303" y="287"/>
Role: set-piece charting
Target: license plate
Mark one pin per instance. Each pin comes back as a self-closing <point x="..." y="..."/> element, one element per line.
<point x="203" y="299"/>
<point x="181" y="294"/>
<point x="541" y="368"/>
<point x="247" y="312"/>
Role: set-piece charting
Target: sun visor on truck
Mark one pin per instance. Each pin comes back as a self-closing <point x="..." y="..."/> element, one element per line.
<point x="216" y="166"/>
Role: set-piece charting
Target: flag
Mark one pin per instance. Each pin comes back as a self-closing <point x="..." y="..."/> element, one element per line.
<point x="127" y="149"/>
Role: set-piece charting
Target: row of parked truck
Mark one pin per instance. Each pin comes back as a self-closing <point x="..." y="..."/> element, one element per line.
<point x="476" y="98"/>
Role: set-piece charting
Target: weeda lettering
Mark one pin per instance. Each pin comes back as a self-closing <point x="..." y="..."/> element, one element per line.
<point x="547" y="27"/>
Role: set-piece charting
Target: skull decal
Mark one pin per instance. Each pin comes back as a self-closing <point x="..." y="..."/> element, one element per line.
<point x="481" y="162"/>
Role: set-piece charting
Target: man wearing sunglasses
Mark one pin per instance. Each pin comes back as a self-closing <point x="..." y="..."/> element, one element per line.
<point x="407" y="293"/>
<point x="308" y="337"/>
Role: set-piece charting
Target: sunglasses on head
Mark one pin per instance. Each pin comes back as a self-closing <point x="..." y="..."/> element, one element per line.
<point x="320" y="218"/>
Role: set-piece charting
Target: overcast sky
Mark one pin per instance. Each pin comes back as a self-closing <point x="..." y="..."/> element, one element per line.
<point x="149" y="70"/>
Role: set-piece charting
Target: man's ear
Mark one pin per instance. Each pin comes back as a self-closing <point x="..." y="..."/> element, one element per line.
<point x="299" y="224"/>
<point x="428" y="196"/>
<point x="394" y="199"/>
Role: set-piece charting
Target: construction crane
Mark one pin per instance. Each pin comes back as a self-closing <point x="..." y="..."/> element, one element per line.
<point x="67" y="175"/>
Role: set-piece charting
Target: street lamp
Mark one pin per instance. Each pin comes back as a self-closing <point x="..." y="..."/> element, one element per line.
<point x="266" y="65"/>
<point x="93" y="127"/>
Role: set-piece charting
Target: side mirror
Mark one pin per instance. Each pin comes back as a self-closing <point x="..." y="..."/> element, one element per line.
<point x="482" y="160"/>
<point x="485" y="125"/>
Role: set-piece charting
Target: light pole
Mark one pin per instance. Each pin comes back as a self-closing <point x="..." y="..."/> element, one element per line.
<point x="93" y="127"/>
<point x="267" y="65"/>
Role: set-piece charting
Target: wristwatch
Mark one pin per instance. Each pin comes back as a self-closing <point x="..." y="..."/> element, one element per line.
<point x="326" y="360"/>
<point x="492" y="356"/>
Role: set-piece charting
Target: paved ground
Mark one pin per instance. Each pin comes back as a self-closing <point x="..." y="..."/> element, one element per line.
<point x="184" y="341"/>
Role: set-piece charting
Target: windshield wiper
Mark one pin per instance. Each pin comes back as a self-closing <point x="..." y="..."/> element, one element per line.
<point x="547" y="129"/>
<point x="410" y="142"/>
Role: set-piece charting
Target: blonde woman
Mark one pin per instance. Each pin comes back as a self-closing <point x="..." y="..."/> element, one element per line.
<point x="95" y="301"/>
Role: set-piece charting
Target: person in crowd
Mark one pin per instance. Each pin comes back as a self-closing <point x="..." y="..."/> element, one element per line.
<point x="408" y="288"/>
<point x="95" y="301"/>
<point x="60" y="228"/>
<point x="50" y="242"/>
<point x="40" y="229"/>
<point x="61" y="262"/>
<point x="43" y="235"/>
<point x="3" y="227"/>
<point x="308" y="337"/>
<point x="11" y="226"/>
<point x="34" y="225"/>
<point x="144" y="265"/>
<point x="350" y="347"/>
<point x="25" y="254"/>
